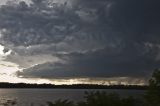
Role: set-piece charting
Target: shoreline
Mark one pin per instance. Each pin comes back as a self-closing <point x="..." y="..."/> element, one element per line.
<point x="75" y="86"/>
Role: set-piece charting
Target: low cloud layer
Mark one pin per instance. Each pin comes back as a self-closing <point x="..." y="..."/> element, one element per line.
<point x="100" y="63"/>
<point x="82" y="38"/>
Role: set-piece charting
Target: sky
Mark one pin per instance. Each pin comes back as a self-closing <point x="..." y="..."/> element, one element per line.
<point x="79" y="41"/>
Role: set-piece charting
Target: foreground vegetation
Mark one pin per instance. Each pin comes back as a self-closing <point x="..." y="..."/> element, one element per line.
<point x="151" y="97"/>
<point x="100" y="99"/>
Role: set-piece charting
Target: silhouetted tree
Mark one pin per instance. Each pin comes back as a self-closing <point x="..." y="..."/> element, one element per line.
<point x="61" y="103"/>
<point x="152" y="96"/>
<point x="105" y="99"/>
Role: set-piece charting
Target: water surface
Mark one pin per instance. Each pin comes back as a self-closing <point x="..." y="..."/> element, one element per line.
<point x="26" y="97"/>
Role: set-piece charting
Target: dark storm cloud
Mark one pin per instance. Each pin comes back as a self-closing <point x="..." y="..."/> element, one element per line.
<point x="36" y="23"/>
<point x="42" y="23"/>
<point x="39" y="22"/>
<point x="100" y="63"/>
<point x="98" y="38"/>
<point x="138" y="19"/>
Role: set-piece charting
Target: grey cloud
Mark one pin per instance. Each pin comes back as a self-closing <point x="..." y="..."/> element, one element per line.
<point x="30" y="60"/>
<point x="7" y="65"/>
<point x="36" y="23"/>
<point x="39" y="23"/>
<point x="138" y="19"/>
<point x="93" y="64"/>
<point x="2" y="73"/>
<point x="94" y="38"/>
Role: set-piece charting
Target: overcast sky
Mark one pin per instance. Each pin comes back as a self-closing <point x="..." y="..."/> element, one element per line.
<point x="79" y="41"/>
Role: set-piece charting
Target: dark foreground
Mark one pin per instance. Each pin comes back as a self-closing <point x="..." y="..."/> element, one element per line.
<point x="24" y="97"/>
<point x="90" y="99"/>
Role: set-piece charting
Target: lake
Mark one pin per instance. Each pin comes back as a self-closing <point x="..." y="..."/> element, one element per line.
<point x="26" y="97"/>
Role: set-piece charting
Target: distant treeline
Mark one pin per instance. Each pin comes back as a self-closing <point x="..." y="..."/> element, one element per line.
<point x="75" y="86"/>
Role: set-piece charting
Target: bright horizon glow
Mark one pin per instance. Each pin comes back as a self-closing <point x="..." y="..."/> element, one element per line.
<point x="14" y="79"/>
